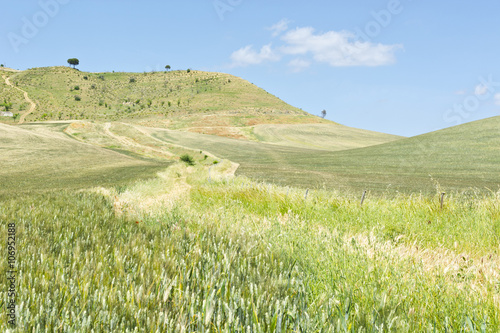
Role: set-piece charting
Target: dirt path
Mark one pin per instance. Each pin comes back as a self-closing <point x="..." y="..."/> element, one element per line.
<point x="128" y="142"/>
<point x="26" y="97"/>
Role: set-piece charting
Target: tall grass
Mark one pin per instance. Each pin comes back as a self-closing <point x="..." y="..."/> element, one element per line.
<point x="237" y="256"/>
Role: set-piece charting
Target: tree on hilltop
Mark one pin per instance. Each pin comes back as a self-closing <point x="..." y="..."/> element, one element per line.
<point x="73" y="62"/>
<point x="323" y="114"/>
<point x="167" y="67"/>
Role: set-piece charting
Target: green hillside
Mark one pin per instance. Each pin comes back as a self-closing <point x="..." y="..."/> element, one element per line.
<point x="42" y="157"/>
<point x="455" y="158"/>
<point x="63" y="93"/>
<point x="319" y="136"/>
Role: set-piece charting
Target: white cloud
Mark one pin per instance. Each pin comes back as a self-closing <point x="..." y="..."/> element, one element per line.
<point x="480" y="90"/>
<point x="299" y="65"/>
<point x="497" y="99"/>
<point x="279" y="27"/>
<point x="248" y="56"/>
<point x="338" y="49"/>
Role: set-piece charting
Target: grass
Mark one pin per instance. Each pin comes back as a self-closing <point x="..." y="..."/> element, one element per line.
<point x="43" y="158"/>
<point x="330" y="137"/>
<point x="455" y="159"/>
<point x="235" y="255"/>
<point x="165" y="96"/>
<point x="111" y="240"/>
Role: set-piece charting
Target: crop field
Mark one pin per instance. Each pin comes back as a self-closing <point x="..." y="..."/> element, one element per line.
<point x="231" y="254"/>
<point x="454" y="159"/>
<point x="330" y="137"/>
<point x="42" y="157"/>
<point x="197" y="202"/>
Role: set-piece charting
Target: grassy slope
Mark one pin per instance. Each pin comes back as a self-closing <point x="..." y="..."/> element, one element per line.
<point x="113" y="95"/>
<point x="319" y="136"/>
<point x="41" y="157"/>
<point x="458" y="158"/>
<point x="200" y="102"/>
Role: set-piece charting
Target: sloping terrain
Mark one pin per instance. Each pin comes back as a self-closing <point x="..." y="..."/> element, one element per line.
<point x="41" y="157"/>
<point x="319" y="136"/>
<point x="200" y="102"/>
<point x="65" y="93"/>
<point x="456" y="158"/>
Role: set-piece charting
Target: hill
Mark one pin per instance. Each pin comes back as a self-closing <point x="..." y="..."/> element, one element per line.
<point x="177" y="99"/>
<point x="42" y="157"/>
<point x="319" y="136"/>
<point x="457" y="158"/>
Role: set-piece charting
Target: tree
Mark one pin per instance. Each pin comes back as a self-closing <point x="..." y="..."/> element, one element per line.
<point x="167" y="67"/>
<point x="73" y="62"/>
<point x="7" y="105"/>
<point x="323" y="114"/>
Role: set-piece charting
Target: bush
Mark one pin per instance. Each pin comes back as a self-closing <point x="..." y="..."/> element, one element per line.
<point x="77" y="88"/>
<point x="187" y="159"/>
<point x="132" y="80"/>
<point x="189" y="70"/>
<point x="85" y="77"/>
<point x="78" y="98"/>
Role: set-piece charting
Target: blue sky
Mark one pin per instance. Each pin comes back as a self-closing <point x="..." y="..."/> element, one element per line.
<point x="397" y="66"/>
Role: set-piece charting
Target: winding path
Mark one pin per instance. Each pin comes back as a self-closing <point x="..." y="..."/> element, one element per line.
<point x="26" y="97"/>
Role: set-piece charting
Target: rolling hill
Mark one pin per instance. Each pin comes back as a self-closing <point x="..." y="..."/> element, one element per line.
<point x="179" y="99"/>
<point x="457" y="158"/>
<point x="160" y="116"/>
<point x="41" y="157"/>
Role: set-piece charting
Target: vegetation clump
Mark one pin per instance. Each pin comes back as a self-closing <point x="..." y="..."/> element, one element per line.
<point x="188" y="159"/>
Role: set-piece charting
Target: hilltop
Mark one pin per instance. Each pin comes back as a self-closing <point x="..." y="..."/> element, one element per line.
<point x="174" y="99"/>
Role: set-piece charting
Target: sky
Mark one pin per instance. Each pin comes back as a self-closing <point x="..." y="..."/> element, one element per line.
<point x="404" y="67"/>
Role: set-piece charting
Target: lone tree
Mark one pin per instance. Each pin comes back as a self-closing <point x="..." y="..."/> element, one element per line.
<point x="167" y="67"/>
<point x="6" y="105"/>
<point x="323" y="114"/>
<point x="73" y="62"/>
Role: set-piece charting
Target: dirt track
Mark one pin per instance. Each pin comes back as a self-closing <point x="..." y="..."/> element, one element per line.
<point x="26" y="97"/>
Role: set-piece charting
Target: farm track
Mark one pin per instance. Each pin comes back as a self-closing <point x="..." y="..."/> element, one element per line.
<point x="128" y="142"/>
<point x="26" y="97"/>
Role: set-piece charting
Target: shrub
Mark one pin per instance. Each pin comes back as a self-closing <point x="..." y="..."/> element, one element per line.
<point x="132" y="80"/>
<point x="188" y="159"/>
<point x="77" y="88"/>
<point x="188" y="70"/>
<point x="85" y="77"/>
<point x="78" y="98"/>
